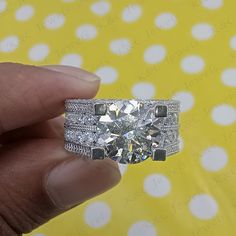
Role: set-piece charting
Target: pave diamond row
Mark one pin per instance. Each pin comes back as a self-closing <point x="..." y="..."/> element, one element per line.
<point x="86" y="151"/>
<point x="87" y="105"/>
<point x="87" y="119"/>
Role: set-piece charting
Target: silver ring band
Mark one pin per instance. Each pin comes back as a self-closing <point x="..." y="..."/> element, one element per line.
<point x="127" y="131"/>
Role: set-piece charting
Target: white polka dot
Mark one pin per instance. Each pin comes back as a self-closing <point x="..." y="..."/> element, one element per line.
<point x="186" y="100"/>
<point x="157" y="185"/>
<point x="97" y="214"/>
<point x="233" y="42"/>
<point x="154" y="54"/>
<point x="3" y="5"/>
<point x="143" y="90"/>
<point x="203" y="206"/>
<point x="39" y="235"/>
<point x="72" y="59"/>
<point x="38" y="52"/>
<point x="107" y="74"/>
<point x="228" y="77"/>
<point x="181" y="143"/>
<point x="54" y="21"/>
<point x="9" y="44"/>
<point x="120" y="46"/>
<point x="123" y="168"/>
<point x="224" y="114"/>
<point x="86" y="32"/>
<point x="100" y="8"/>
<point x="192" y="64"/>
<point x="131" y="13"/>
<point x="202" y="31"/>
<point x="24" y="13"/>
<point x="214" y="158"/>
<point x="142" y="228"/>
<point x="165" y="21"/>
<point x="212" y="4"/>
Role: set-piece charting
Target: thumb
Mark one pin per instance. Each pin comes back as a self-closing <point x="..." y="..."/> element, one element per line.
<point x="40" y="180"/>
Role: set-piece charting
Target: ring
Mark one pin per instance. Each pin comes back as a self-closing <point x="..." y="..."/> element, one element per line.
<point x="127" y="131"/>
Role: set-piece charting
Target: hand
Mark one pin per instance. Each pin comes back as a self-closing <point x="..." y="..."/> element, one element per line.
<point x="38" y="178"/>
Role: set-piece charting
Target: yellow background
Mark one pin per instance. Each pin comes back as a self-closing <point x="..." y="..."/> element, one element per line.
<point x="192" y="193"/>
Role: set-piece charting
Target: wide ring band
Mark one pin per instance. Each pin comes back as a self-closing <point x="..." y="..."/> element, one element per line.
<point x="127" y="131"/>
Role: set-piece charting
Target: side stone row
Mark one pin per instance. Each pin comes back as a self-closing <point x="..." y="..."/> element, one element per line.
<point x="84" y="118"/>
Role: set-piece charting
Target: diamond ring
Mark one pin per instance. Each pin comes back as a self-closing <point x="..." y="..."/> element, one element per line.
<point x="127" y="131"/>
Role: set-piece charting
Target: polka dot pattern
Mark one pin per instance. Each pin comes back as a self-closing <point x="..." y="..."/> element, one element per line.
<point x="186" y="100"/>
<point x="202" y="31"/>
<point x="192" y="64"/>
<point x="154" y="54"/>
<point x="182" y="50"/>
<point x="24" y="13"/>
<point x="233" y="42"/>
<point x="143" y="90"/>
<point x="107" y="74"/>
<point x="228" y="77"/>
<point x="142" y="228"/>
<point x="3" y="5"/>
<point x="157" y="185"/>
<point x="97" y="214"/>
<point x="38" y="52"/>
<point x="214" y="158"/>
<point x="72" y="59"/>
<point x="9" y="44"/>
<point x="86" y="32"/>
<point x="165" y="21"/>
<point x="203" y="206"/>
<point x="224" y="114"/>
<point x="212" y="4"/>
<point x="131" y="13"/>
<point x="120" y="46"/>
<point x="100" y="8"/>
<point x="54" y="21"/>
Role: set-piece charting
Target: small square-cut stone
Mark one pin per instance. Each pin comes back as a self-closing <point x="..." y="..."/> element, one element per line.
<point x="161" y="111"/>
<point x="100" y="109"/>
<point x="159" y="155"/>
<point x="98" y="153"/>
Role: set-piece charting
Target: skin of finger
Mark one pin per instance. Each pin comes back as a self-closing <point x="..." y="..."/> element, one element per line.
<point x="23" y="170"/>
<point x="37" y="94"/>
<point x="53" y="128"/>
<point x="5" y="230"/>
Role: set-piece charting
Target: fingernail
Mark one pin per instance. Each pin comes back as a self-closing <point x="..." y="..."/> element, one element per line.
<point x="74" y="71"/>
<point x="92" y="78"/>
<point x="78" y="180"/>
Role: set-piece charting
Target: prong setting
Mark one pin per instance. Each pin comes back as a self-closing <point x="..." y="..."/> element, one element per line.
<point x="161" y="111"/>
<point x="97" y="153"/>
<point x="159" y="154"/>
<point x="100" y="109"/>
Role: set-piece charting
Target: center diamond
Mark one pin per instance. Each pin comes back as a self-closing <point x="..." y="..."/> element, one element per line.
<point x="128" y="131"/>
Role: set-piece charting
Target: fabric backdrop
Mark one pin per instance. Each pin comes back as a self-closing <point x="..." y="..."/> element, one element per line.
<point x="182" y="49"/>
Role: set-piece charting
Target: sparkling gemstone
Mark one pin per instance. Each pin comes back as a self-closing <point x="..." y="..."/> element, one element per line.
<point x="129" y="130"/>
